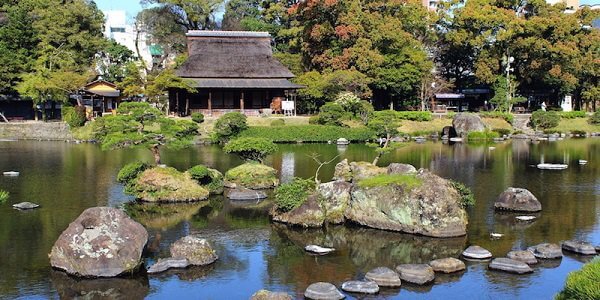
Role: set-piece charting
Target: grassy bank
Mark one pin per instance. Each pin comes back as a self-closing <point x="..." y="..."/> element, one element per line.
<point x="576" y="124"/>
<point x="308" y="133"/>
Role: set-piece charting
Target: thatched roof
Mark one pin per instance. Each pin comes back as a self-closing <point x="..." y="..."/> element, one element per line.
<point x="245" y="83"/>
<point x="231" y="54"/>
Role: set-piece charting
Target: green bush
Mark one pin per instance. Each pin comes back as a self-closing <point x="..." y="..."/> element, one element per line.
<point x="291" y="195"/>
<point x="200" y="173"/>
<point x="579" y="132"/>
<point x="502" y="131"/>
<point x="278" y="122"/>
<point x="331" y="114"/>
<point x="251" y="148"/>
<point x="508" y="117"/>
<point x="595" y="118"/>
<point x="384" y="123"/>
<point x="420" y="116"/>
<point x="573" y="114"/>
<point x="74" y="116"/>
<point x="545" y="119"/>
<point x="230" y="125"/>
<point x="130" y="171"/>
<point x="466" y="195"/>
<point x="348" y="101"/>
<point x="197" y="117"/>
<point x="583" y="284"/>
<point x="309" y="133"/>
<point x="209" y="178"/>
<point x="483" y="135"/>
<point x="313" y="120"/>
<point x="3" y="196"/>
<point x="551" y="131"/>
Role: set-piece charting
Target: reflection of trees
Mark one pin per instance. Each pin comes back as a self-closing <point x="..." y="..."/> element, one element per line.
<point x="164" y="215"/>
<point x="358" y="250"/>
<point x="222" y="213"/>
<point x="102" y="288"/>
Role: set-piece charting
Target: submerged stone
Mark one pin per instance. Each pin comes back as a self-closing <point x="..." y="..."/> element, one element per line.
<point x="362" y="287"/>
<point x="523" y="256"/>
<point x="476" y="252"/>
<point x="579" y="247"/>
<point x="518" y="199"/>
<point x="323" y="291"/>
<point x="546" y="251"/>
<point x="197" y="251"/>
<point x="268" y="295"/>
<point x="384" y="277"/>
<point x="25" y="205"/>
<point x="510" y="265"/>
<point x="416" y="273"/>
<point x="164" y="264"/>
<point x="447" y="265"/>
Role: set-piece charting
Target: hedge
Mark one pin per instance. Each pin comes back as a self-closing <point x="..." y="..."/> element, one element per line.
<point x="308" y="133"/>
<point x="420" y="116"/>
<point x="572" y="114"/>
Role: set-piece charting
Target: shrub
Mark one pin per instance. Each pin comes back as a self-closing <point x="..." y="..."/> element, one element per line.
<point x="595" y="118"/>
<point x="384" y="123"/>
<point x="348" y="101"/>
<point x="251" y="148"/>
<point x="502" y="131"/>
<point x="313" y="120"/>
<point x="200" y="173"/>
<point x="211" y="179"/>
<point x="420" y="116"/>
<point x="74" y="116"/>
<point x="291" y="195"/>
<point x="278" y="122"/>
<point x="308" y="133"/>
<point x="579" y="132"/>
<point x="551" y="131"/>
<point x="230" y="125"/>
<point x="450" y="115"/>
<point x="3" y="196"/>
<point x="544" y="119"/>
<point x="466" y="195"/>
<point x="508" y="117"/>
<point x="483" y="135"/>
<point x="365" y="111"/>
<point x="331" y="114"/>
<point x="197" y="117"/>
<point x="130" y="171"/>
<point x="573" y="114"/>
<point x="583" y="284"/>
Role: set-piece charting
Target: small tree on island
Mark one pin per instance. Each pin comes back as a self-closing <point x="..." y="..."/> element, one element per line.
<point x="138" y="124"/>
<point x="251" y="149"/>
<point x="385" y="125"/>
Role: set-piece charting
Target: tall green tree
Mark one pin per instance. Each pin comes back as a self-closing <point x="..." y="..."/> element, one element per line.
<point x="192" y="14"/>
<point x="238" y="11"/>
<point x="112" y="61"/>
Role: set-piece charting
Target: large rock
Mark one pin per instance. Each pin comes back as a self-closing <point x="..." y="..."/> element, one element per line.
<point x="383" y="276"/>
<point x="343" y="172"/>
<point x="362" y="287"/>
<point x="101" y="242"/>
<point x="579" y="247"/>
<point x="546" y="251"/>
<point x="251" y="176"/>
<point x="361" y="170"/>
<point x="323" y="291"/>
<point x="309" y="214"/>
<point x="396" y="168"/>
<point x="335" y="198"/>
<point x="517" y="199"/>
<point x="510" y="265"/>
<point x="165" y="184"/>
<point x="416" y="273"/>
<point x="197" y="251"/>
<point x="523" y="255"/>
<point x="164" y="264"/>
<point x="432" y="207"/>
<point x="464" y="123"/>
<point x="268" y="295"/>
<point x="477" y="252"/>
<point x="447" y="265"/>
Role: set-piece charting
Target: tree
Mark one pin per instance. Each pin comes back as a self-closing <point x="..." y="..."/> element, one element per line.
<point x="251" y="149"/>
<point x="192" y="14"/>
<point x="385" y="125"/>
<point x="138" y="124"/>
<point x="505" y="94"/>
<point x="238" y="11"/>
<point x="112" y="61"/>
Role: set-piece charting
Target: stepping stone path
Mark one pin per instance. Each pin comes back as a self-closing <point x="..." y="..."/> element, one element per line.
<point x="164" y="264"/>
<point x="510" y="265"/>
<point x="363" y="287"/>
<point x="323" y="291"/>
<point x="416" y="273"/>
<point x="268" y="295"/>
<point x="579" y="247"/>
<point x="384" y="277"/>
<point x="447" y="265"/>
<point x="25" y="205"/>
<point x="523" y="256"/>
<point x="318" y="249"/>
<point x="546" y="251"/>
<point x="477" y="252"/>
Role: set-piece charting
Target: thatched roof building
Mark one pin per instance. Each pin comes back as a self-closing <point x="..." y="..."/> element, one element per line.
<point x="232" y="70"/>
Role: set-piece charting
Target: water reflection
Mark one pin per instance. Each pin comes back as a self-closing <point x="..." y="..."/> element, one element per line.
<point x="106" y="288"/>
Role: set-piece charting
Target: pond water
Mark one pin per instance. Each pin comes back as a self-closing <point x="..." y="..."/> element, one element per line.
<point x="65" y="179"/>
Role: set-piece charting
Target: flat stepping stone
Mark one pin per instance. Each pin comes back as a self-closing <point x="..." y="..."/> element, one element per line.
<point x="510" y="266"/>
<point x="384" y="277"/>
<point x="25" y="205"/>
<point x="579" y="247"/>
<point x="363" y="287"/>
<point x="447" y="265"/>
<point x="246" y="194"/>
<point x="476" y="252"/>
<point x="552" y="166"/>
<point x="523" y="256"/>
<point x="416" y="273"/>
<point x="164" y="264"/>
<point x="323" y="291"/>
<point x="318" y="249"/>
<point x="546" y="251"/>
<point x="525" y="218"/>
<point x="10" y="173"/>
<point x="268" y="295"/>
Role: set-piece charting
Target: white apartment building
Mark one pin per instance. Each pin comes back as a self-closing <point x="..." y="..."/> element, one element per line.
<point x="118" y="27"/>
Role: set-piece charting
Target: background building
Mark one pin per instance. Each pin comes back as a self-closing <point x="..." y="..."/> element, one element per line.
<point x="121" y="29"/>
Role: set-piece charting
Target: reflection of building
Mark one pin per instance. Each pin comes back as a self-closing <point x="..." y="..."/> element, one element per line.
<point x="232" y="71"/>
<point x="118" y="29"/>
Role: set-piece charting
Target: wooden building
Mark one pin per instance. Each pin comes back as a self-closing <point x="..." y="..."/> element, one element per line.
<point x="99" y="97"/>
<point x="232" y="71"/>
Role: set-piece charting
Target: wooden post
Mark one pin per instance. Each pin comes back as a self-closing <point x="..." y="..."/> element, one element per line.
<point x="210" y="103"/>
<point x="177" y="101"/>
<point x="242" y="102"/>
<point x="187" y="104"/>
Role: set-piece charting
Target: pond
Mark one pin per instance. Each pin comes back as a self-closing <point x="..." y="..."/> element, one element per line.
<point x="66" y="178"/>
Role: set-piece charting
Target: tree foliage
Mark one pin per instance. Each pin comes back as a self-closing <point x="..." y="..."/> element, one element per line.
<point x="192" y="14"/>
<point x="249" y="148"/>
<point x="229" y="125"/>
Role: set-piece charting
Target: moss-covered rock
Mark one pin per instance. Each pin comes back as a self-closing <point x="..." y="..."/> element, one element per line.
<point x="167" y="185"/>
<point x="252" y="176"/>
